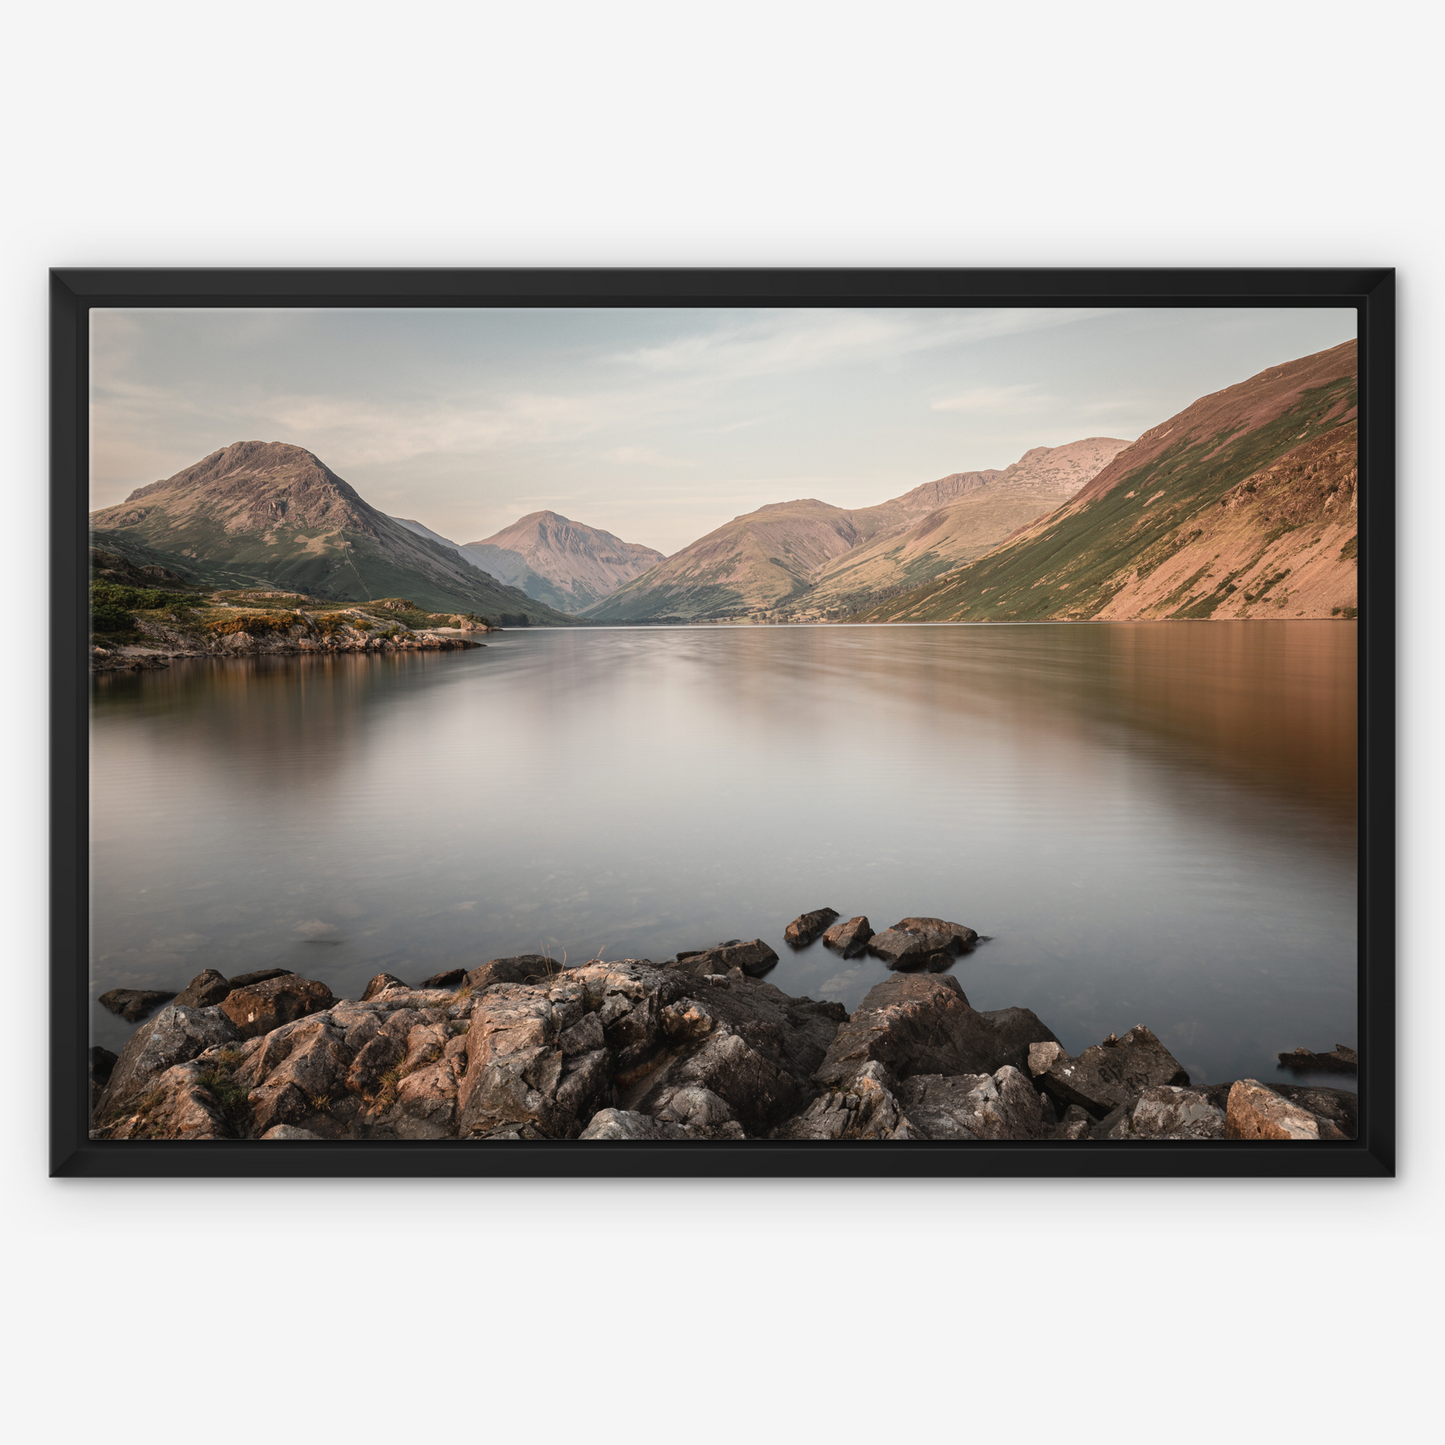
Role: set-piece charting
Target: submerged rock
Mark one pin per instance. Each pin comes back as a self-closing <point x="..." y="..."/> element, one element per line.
<point x="133" y="1004"/>
<point x="807" y="926"/>
<point x="851" y="938"/>
<point x="1342" y="1060"/>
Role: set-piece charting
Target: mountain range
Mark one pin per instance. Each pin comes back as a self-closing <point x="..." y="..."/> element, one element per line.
<point x="1242" y="505"/>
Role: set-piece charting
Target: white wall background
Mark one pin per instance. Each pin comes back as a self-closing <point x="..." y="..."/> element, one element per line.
<point x="738" y="134"/>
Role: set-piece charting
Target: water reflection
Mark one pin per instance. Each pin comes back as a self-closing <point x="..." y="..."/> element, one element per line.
<point x="1155" y="822"/>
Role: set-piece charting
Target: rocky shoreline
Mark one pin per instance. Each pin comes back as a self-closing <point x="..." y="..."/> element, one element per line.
<point x="697" y="1047"/>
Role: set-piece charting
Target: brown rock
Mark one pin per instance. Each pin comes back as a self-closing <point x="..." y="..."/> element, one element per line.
<point x="754" y="958"/>
<point x="1257" y="1112"/>
<point x="1042" y="1057"/>
<point x="205" y="989"/>
<point x="807" y="926"/>
<point x="133" y="1004"/>
<point x="379" y="984"/>
<point x="1342" y="1060"/>
<point x="960" y="937"/>
<point x="175" y="1104"/>
<point x="290" y="1131"/>
<point x="260" y="975"/>
<point x="174" y="1036"/>
<point x="924" y="1024"/>
<point x="260" y="1007"/>
<point x="851" y="938"/>
<point x="1106" y="1075"/>
<point x="524" y="968"/>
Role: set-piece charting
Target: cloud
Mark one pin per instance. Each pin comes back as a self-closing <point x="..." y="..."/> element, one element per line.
<point x="998" y="400"/>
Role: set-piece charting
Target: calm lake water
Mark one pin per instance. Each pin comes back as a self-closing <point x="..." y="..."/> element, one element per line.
<point x="1154" y="822"/>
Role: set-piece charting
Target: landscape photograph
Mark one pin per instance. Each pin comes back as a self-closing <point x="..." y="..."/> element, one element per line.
<point x="701" y="725"/>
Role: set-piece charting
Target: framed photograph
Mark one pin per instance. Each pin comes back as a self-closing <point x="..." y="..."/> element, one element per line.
<point x="723" y="723"/>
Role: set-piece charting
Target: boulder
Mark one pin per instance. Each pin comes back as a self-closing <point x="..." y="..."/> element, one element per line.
<point x="1166" y="1111"/>
<point x="174" y="1036"/>
<point x="290" y="1131"/>
<point x="258" y="1008"/>
<point x="960" y="937"/>
<point x="1106" y="1075"/>
<point x="1020" y="1030"/>
<point x="524" y="968"/>
<point x="260" y="975"/>
<point x="901" y="949"/>
<point x="447" y="978"/>
<point x="807" y="926"/>
<point x="1003" y="1105"/>
<point x="866" y="1109"/>
<point x="206" y="988"/>
<point x="924" y="1024"/>
<point x="133" y="1004"/>
<point x="1342" y="1060"/>
<point x="629" y="1124"/>
<point x="753" y="958"/>
<point x="851" y="938"/>
<point x="1042" y="1057"/>
<point x="1257" y="1112"/>
<point x="380" y="984"/>
<point x="176" y="1103"/>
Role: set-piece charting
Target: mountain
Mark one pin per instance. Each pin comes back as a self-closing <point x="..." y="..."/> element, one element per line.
<point x="960" y="530"/>
<point x="270" y="513"/>
<point x="567" y="564"/>
<point x="807" y="559"/>
<point x="506" y="567"/>
<point x="1242" y="505"/>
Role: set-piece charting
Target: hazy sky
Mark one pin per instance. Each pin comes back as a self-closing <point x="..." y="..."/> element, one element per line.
<point x="658" y="425"/>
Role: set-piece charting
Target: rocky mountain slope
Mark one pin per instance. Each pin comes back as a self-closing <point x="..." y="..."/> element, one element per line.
<point x="1242" y="505"/>
<point x="962" y="529"/>
<point x="566" y="564"/>
<point x="767" y="560"/>
<point x="273" y="514"/>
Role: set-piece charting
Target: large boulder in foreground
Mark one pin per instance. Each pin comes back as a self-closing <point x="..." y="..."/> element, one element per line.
<point x="1004" y="1105"/>
<point x="924" y="1024"/>
<point x="177" y="1104"/>
<point x="807" y="926"/>
<point x="258" y="1008"/>
<point x="174" y="1036"/>
<point x="1107" y="1075"/>
<point x="1258" y="1112"/>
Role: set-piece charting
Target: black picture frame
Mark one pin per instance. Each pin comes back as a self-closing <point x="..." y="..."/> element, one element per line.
<point x="73" y="292"/>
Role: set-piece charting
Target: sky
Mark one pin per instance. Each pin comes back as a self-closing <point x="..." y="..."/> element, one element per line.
<point x="655" y="424"/>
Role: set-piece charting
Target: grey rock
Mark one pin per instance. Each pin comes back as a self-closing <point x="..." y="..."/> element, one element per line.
<point x="175" y="1103"/>
<point x="866" y="1109"/>
<point x="205" y="989"/>
<point x="807" y="926"/>
<point x="290" y="1131"/>
<point x="850" y="938"/>
<point x="133" y="1004"/>
<point x="1107" y="1074"/>
<point x="1004" y="1105"/>
<point x="629" y="1124"/>
<point x="1075" y="1123"/>
<point x="1166" y="1111"/>
<point x="175" y="1035"/>
<point x="1043" y="1055"/>
<point x="924" y="1024"/>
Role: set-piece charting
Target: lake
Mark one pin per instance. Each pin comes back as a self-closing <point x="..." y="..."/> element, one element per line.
<point x="1154" y="822"/>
